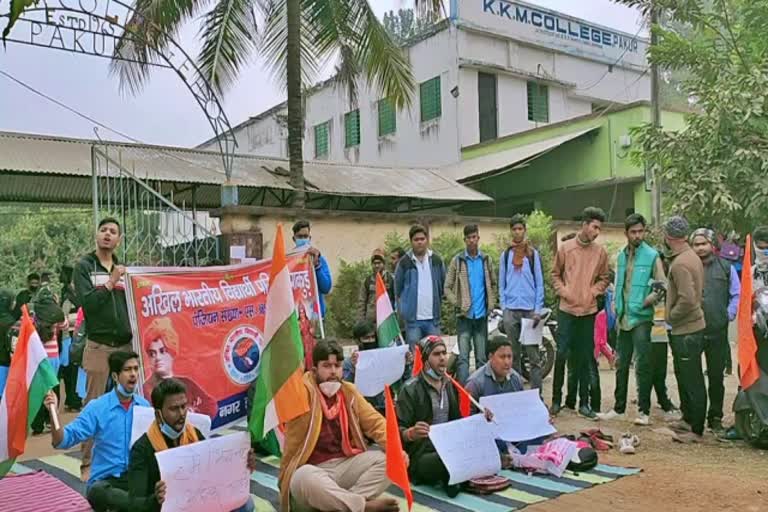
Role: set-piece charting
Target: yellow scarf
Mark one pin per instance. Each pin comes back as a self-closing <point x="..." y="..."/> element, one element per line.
<point x="157" y="439"/>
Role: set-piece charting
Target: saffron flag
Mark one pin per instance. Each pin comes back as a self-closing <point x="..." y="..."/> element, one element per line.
<point x="30" y="377"/>
<point x="387" y="326"/>
<point x="397" y="469"/>
<point x="465" y="399"/>
<point x="280" y="394"/>
<point x="418" y="364"/>
<point x="748" y="368"/>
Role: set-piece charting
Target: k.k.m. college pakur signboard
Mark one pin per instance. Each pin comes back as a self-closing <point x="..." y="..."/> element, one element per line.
<point x="541" y="27"/>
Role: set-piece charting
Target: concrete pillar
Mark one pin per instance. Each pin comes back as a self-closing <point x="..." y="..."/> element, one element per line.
<point x="643" y="201"/>
<point x="240" y="227"/>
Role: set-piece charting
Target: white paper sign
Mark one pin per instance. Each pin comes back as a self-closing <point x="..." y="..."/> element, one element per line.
<point x="519" y="416"/>
<point x="530" y="335"/>
<point x="378" y="367"/>
<point x="209" y="476"/>
<point x="467" y="448"/>
<point x="144" y="416"/>
<point x="236" y="252"/>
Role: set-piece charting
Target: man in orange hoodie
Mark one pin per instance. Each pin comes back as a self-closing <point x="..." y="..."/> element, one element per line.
<point x="326" y="463"/>
<point x="580" y="275"/>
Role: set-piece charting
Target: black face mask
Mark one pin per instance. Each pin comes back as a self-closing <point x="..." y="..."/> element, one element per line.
<point x="33" y="289"/>
<point x="369" y="346"/>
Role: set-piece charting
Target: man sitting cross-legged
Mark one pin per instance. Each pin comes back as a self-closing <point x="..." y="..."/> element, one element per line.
<point x="169" y="430"/>
<point x="326" y="465"/>
<point x="107" y="421"/>
<point x="428" y="399"/>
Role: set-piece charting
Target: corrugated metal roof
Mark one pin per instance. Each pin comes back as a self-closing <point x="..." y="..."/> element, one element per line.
<point x="504" y="160"/>
<point x="54" y="156"/>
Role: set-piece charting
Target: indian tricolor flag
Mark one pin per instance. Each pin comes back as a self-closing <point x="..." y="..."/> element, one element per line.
<point x="30" y="378"/>
<point x="387" y="327"/>
<point x="280" y="394"/>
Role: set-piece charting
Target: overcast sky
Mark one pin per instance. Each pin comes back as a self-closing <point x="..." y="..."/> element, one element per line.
<point x="165" y="112"/>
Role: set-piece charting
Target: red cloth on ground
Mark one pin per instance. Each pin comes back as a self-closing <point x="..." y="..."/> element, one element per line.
<point x="28" y="492"/>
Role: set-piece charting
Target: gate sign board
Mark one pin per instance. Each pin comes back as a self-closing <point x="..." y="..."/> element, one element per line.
<point x="541" y="27"/>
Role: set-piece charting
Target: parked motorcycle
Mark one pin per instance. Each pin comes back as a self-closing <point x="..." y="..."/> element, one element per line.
<point x="547" y="347"/>
<point x="751" y="405"/>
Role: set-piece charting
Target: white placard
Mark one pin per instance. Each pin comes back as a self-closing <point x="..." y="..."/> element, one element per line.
<point x="377" y="367"/>
<point x="144" y="416"/>
<point x="467" y="447"/>
<point x="236" y="252"/>
<point x="209" y="476"/>
<point x="530" y="335"/>
<point x="519" y="416"/>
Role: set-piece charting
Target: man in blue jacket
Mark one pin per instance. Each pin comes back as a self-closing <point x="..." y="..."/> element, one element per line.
<point x="303" y="238"/>
<point x="419" y="281"/>
<point x="521" y="293"/>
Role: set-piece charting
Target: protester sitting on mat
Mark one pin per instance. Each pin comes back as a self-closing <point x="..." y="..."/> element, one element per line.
<point x="364" y="333"/>
<point x="169" y="430"/>
<point x="326" y="465"/>
<point x="107" y="421"/>
<point x="428" y="399"/>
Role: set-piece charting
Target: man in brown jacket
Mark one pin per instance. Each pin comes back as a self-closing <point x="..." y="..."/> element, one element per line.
<point x="580" y="275"/>
<point x="686" y="318"/>
<point x="326" y="465"/>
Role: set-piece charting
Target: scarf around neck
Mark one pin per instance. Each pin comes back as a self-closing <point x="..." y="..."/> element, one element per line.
<point x="157" y="439"/>
<point x="339" y="410"/>
<point x="521" y="250"/>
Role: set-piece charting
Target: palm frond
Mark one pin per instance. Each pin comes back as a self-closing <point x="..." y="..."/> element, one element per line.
<point x="430" y="9"/>
<point x="148" y="34"/>
<point x="229" y="34"/>
<point x="274" y="43"/>
<point x="15" y="10"/>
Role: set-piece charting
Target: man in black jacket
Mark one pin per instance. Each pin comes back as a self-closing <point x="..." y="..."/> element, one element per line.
<point x="100" y="289"/>
<point x="169" y="430"/>
<point x="428" y="399"/>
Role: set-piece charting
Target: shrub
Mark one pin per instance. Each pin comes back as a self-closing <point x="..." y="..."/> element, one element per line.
<point x="540" y="234"/>
<point x="341" y="313"/>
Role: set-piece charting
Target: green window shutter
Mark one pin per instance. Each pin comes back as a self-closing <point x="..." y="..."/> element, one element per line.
<point x="429" y="94"/>
<point x="352" y="128"/>
<point x="387" y="117"/>
<point x="538" y="102"/>
<point x="321" y="139"/>
<point x="486" y="106"/>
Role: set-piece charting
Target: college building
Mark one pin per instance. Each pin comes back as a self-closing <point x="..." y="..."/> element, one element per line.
<point x="495" y="75"/>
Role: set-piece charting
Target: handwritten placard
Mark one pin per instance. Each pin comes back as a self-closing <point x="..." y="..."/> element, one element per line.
<point x="379" y="367"/>
<point x="519" y="416"/>
<point x="467" y="448"/>
<point x="209" y="476"/>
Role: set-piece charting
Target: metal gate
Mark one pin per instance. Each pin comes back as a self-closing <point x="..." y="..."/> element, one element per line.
<point x="157" y="230"/>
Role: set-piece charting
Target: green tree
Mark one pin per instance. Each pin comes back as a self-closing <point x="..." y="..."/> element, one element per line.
<point x="405" y="25"/>
<point x="714" y="170"/>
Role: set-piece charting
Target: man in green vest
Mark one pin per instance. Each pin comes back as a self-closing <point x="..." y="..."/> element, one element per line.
<point x="639" y="268"/>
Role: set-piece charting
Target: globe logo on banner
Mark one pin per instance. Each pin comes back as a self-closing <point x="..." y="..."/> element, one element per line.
<point x="242" y="353"/>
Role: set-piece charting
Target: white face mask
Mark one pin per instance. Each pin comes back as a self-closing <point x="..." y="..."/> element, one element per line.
<point x="330" y="388"/>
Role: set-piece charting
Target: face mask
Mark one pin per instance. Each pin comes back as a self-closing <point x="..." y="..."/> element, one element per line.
<point x="433" y="374"/>
<point x="369" y="346"/>
<point x="330" y="388"/>
<point x="761" y="257"/>
<point x="124" y="392"/>
<point x="33" y="288"/>
<point x="169" y="431"/>
<point x="302" y="242"/>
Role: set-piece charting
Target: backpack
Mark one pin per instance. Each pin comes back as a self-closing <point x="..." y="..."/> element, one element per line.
<point x="77" y="347"/>
<point x="730" y="251"/>
<point x="584" y="460"/>
<point x="531" y="262"/>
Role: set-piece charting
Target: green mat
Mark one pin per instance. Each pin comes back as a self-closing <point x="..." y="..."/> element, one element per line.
<point x="525" y="490"/>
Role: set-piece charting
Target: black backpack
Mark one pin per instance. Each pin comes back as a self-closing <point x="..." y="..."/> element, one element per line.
<point x="584" y="460"/>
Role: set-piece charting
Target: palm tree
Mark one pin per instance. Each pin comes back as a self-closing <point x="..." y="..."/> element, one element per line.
<point x="294" y="51"/>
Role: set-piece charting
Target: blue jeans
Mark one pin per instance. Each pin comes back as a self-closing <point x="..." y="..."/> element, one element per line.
<point x="414" y="331"/>
<point x="472" y="331"/>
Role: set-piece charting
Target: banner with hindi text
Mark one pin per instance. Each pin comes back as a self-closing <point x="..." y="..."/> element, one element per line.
<point x="204" y="326"/>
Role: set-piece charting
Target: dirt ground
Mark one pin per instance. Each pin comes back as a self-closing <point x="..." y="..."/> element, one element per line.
<point x="711" y="476"/>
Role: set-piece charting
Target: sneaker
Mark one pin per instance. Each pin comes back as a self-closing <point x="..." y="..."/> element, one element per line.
<point x="611" y="415"/>
<point x="673" y="415"/>
<point x="681" y="427"/>
<point x="555" y="409"/>
<point x="642" y="420"/>
<point x="627" y="443"/>
<point x="716" y="426"/>
<point x="730" y="435"/>
<point x="586" y="412"/>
